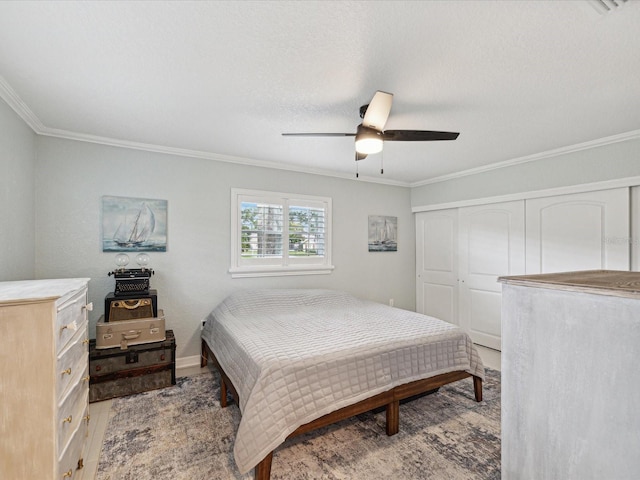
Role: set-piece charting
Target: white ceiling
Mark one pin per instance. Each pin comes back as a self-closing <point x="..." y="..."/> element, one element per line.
<point x="224" y="79"/>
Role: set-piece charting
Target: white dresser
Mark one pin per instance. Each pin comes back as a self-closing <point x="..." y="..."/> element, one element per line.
<point x="44" y="378"/>
<point x="570" y="377"/>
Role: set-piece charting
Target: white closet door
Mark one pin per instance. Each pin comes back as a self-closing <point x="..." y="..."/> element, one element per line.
<point x="436" y="264"/>
<point x="635" y="229"/>
<point x="491" y="240"/>
<point x="584" y="231"/>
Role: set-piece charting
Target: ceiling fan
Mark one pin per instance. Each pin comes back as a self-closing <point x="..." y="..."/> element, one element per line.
<point x="370" y="134"/>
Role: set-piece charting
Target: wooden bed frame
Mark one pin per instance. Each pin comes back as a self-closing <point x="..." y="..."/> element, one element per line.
<point x="389" y="399"/>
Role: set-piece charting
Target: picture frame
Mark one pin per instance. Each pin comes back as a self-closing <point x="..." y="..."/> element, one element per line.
<point x="132" y="224"/>
<point x="383" y="233"/>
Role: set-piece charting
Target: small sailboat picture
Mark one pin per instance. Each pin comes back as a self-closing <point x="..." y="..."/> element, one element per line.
<point x="383" y="232"/>
<point x="136" y="228"/>
<point x="134" y="224"/>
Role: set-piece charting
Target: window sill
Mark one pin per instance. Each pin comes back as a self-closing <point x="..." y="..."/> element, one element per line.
<point x="280" y="271"/>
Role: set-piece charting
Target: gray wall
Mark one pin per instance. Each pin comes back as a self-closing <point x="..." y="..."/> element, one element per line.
<point x="50" y="213"/>
<point x="607" y="162"/>
<point x="191" y="277"/>
<point x="17" y="225"/>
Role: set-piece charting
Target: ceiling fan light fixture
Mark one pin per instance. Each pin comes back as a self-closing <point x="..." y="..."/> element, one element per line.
<point x="368" y="141"/>
<point x="370" y="134"/>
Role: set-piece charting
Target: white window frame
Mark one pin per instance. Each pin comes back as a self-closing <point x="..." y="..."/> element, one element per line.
<point x="270" y="267"/>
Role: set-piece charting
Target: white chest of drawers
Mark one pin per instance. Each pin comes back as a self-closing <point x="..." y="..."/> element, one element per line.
<point x="570" y="389"/>
<point x="44" y="378"/>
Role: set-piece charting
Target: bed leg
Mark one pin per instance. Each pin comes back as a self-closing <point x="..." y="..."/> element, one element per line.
<point x="393" y="417"/>
<point x="263" y="469"/>
<point x="477" y="388"/>
<point x="223" y="392"/>
<point x="203" y="355"/>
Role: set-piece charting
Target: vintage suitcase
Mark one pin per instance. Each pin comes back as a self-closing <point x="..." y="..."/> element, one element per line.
<point x="130" y="332"/>
<point x="116" y="373"/>
<point x="129" y="307"/>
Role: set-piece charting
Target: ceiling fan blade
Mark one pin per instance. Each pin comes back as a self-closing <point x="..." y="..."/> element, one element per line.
<point x="378" y="111"/>
<point x="319" y="134"/>
<point x="417" y="135"/>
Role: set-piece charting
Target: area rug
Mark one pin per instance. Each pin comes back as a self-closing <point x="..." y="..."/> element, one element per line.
<point x="182" y="433"/>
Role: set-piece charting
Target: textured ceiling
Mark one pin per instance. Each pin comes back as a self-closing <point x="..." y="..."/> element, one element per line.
<point x="224" y="79"/>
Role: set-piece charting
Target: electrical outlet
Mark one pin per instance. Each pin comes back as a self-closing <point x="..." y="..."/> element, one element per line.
<point x="391" y="302"/>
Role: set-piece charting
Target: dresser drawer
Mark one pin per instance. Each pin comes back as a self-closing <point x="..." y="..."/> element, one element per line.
<point x="71" y="410"/>
<point x="72" y="315"/>
<point x="72" y="456"/>
<point x="72" y="361"/>
<point x="35" y="396"/>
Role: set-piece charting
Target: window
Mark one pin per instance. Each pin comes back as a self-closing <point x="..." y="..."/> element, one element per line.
<point x="279" y="234"/>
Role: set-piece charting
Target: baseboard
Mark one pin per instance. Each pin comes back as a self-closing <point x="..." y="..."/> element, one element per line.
<point x="490" y="357"/>
<point x="188" y="362"/>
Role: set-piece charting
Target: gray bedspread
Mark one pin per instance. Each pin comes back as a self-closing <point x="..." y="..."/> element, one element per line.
<point x="295" y="355"/>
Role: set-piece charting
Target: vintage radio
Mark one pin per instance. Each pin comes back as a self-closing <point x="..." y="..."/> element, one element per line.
<point x="118" y="308"/>
<point x="131" y="281"/>
<point x="130" y="332"/>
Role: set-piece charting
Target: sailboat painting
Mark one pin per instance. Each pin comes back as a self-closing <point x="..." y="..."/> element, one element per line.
<point x="383" y="233"/>
<point x="134" y="224"/>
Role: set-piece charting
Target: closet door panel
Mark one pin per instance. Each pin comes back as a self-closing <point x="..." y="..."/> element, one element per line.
<point x="635" y="229"/>
<point x="491" y="244"/>
<point x="484" y="316"/>
<point x="585" y="231"/>
<point x="436" y="264"/>
<point x="439" y="301"/>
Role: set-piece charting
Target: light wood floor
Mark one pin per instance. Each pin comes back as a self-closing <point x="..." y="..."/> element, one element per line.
<point x="100" y="414"/>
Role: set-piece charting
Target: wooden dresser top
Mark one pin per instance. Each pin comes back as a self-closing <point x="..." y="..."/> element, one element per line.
<point x="38" y="290"/>
<point x="601" y="282"/>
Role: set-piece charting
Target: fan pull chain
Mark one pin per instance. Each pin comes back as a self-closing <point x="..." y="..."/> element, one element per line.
<point x="357" y="174"/>
<point x="381" y="164"/>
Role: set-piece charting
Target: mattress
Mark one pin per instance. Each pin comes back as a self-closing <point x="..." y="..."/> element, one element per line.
<point x="296" y="355"/>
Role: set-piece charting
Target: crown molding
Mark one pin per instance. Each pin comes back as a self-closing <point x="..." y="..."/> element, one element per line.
<point x="622" y="137"/>
<point x="183" y="152"/>
<point x="626" y="182"/>
<point x="8" y="94"/>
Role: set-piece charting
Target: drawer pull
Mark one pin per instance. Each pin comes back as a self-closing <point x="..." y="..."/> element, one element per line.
<point x="88" y="307"/>
<point x="85" y="341"/>
<point x="86" y="378"/>
<point x="71" y="326"/>
<point x="87" y="418"/>
<point x="67" y="371"/>
<point x="67" y="474"/>
<point x="68" y="419"/>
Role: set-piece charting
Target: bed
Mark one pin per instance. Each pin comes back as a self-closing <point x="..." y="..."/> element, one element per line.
<point x="297" y="359"/>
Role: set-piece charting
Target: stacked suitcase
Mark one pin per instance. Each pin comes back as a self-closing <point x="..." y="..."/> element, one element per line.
<point x="130" y="320"/>
<point x="132" y="352"/>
